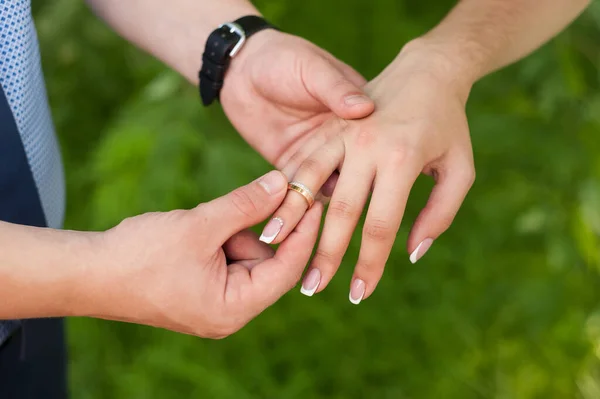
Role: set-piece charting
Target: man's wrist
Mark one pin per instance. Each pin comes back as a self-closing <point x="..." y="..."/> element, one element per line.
<point x="83" y="290"/>
<point x="223" y="46"/>
<point x="194" y="41"/>
<point x="44" y="273"/>
<point x="66" y="275"/>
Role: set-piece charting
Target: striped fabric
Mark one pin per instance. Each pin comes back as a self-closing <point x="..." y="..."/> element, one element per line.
<point x="23" y="85"/>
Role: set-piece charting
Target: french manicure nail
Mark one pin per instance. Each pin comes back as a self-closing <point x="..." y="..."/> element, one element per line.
<point x="356" y="100"/>
<point x="422" y="248"/>
<point x="273" y="182"/>
<point x="357" y="291"/>
<point x="311" y="282"/>
<point x="271" y="230"/>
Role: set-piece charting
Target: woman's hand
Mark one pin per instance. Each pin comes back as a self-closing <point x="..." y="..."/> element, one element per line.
<point x="419" y="126"/>
<point x="197" y="271"/>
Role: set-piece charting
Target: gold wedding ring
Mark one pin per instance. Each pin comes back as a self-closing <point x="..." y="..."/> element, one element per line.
<point x="303" y="191"/>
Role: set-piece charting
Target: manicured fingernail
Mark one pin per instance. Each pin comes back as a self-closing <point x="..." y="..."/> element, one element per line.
<point x="271" y="230"/>
<point x="421" y="250"/>
<point x="357" y="291"/>
<point x="273" y="182"/>
<point x="311" y="282"/>
<point x="356" y="100"/>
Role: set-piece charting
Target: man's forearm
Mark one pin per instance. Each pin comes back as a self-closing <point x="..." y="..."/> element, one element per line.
<point x="481" y="36"/>
<point x="42" y="271"/>
<point x="174" y="31"/>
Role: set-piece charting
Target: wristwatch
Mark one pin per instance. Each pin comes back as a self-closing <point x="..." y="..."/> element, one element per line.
<point x="221" y="46"/>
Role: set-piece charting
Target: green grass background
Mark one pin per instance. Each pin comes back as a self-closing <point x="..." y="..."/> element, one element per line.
<point x="505" y="305"/>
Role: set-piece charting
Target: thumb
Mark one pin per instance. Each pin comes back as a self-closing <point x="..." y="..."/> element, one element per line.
<point x="332" y="87"/>
<point x="245" y="206"/>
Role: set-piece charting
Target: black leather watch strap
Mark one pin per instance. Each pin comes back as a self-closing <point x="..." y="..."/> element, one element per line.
<point x="223" y="44"/>
<point x="253" y="24"/>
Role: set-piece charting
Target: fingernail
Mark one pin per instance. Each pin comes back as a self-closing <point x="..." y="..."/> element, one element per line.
<point x="271" y="230"/>
<point x="421" y="250"/>
<point x="273" y="182"/>
<point x="357" y="291"/>
<point x="311" y="282"/>
<point x="357" y="99"/>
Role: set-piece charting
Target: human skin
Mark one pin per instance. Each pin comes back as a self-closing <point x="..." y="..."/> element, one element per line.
<point x="277" y="90"/>
<point x="196" y="271"/>
<point x="419" y="126"/>
<point x="92" y="274"/>
<point x="304" y="112"/>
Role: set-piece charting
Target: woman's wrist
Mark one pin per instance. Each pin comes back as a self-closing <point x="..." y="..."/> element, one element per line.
<point x="442" y="62"/>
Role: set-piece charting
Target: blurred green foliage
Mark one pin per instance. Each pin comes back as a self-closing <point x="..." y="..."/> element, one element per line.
<point x="505" y="305"/>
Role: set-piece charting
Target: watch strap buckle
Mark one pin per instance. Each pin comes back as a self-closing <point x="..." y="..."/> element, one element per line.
<point x="238" y="30"/>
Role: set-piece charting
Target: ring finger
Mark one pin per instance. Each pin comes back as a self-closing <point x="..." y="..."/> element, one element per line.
<point x="347" y="203"/>
<point x="311" y="175"/>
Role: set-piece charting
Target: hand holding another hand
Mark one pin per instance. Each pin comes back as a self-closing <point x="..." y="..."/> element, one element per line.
<point x="197" y="271"/>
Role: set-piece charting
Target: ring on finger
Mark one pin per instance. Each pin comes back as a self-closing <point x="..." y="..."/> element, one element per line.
<point x="303" y="191"/>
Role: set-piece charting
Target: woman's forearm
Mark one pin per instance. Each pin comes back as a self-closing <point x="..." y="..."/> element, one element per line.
<point x="42" y="271"/>
<point x="173" y="31"/>
<point x="481" y="36"/>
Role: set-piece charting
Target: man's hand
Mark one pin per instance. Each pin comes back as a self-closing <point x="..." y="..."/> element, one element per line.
<point x="193" y="271"/>
<point x="280" y="88"/>
<point x="198" y="271"/>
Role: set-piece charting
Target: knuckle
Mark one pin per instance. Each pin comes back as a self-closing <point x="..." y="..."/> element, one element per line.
<point x="297" y="158"/>
<point x="311" y="165"/>
<point x="464" y="176"/>
<point x="325" y="257"/>
<point x="402" y="154"/>
<point x="470" y="176"/>
<point x="366" y="268"/>
<point x="243" y="201"/>
<point x="365" y="138"/>
<point x="464" y="168"/>
<point x="370" y="271"/>
<point x="342" y="209"/>
<point x="339" y="83"/>
<point x="378" y="230"/>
